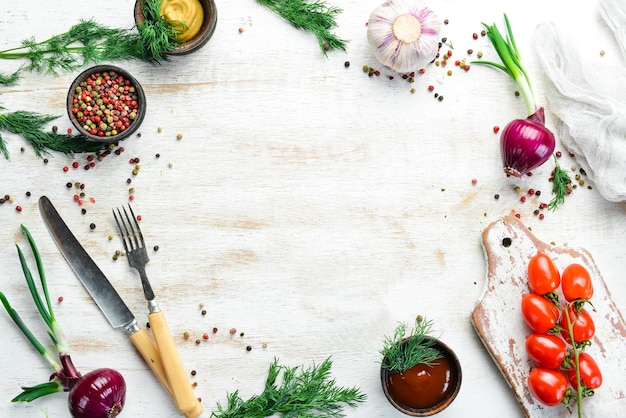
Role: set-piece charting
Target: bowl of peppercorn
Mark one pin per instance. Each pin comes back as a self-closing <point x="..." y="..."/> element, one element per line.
<point x="191" y="22"/>
<point x="106" y="103"/>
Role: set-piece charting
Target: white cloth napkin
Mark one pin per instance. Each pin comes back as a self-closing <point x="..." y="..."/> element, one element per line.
<point x="589" y="101"/>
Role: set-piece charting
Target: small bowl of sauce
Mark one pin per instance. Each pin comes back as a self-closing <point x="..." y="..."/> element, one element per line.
<point x="194" y="19"/>
<point x="424" y="390"/>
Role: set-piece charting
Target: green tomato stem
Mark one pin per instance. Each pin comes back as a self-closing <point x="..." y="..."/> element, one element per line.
<point x="579" y="389"/>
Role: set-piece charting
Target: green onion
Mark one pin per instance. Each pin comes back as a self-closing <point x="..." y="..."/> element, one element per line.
<point x="65" y="374"/>
<point x="511" y="62"/>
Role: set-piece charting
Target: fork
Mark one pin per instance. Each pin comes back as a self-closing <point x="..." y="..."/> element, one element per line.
<point x="137" y="255"/>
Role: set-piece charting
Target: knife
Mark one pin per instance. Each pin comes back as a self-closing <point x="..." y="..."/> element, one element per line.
<point x="101" y="290"/>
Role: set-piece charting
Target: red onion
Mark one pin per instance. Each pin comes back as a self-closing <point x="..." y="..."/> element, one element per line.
<point x="98" y="394"/>
<point x="525" y="144"/>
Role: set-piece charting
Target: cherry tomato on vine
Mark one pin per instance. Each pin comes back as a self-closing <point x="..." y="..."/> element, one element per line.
<point x="547" y="386"/>
<point x="590" y="373"/>
<point x="539" y="313"/>
<point x="576" y="283"/>
<point x="543" y="276"/>
<point x="584" y="328"/>
<point x="547" y="350"/>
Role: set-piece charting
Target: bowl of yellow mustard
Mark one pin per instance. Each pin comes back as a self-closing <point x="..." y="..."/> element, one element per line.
<point x="193" y="20"/>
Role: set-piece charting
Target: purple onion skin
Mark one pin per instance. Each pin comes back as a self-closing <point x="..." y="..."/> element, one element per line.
<point x="526" y="144"/>
<point x="100" y="393"/>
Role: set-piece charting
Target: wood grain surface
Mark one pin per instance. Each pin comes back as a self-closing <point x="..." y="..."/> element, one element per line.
<point x="497" y="318"/>
<point x="307" y="205"/>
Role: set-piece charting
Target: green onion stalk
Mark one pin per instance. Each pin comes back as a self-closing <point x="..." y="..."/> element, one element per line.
<point x="525" y="144"/>
<point x="65" y="374"/>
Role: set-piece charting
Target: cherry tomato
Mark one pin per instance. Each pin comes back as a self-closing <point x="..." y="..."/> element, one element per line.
<point x="547" y="386"/>
<point x="539" y="313"/>
<point x="576" y="283"/>
<point x="590" y="373"/>
<point x="547" y="350"/>
<point x="584" y="328"/>
<point x="543" y="276"/>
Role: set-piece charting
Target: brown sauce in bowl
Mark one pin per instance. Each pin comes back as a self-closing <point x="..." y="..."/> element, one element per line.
<point x="423" y="386"/>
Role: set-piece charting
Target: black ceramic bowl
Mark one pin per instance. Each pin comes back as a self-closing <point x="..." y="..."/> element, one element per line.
<point x="106" y="103"/>
<point x="451" y="389"/>
<point x="205" y="33"/>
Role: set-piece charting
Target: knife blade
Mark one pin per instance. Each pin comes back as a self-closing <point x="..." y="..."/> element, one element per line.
<point x="101" y="290"/>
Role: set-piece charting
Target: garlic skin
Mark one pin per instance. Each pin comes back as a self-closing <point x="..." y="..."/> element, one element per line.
<point x="404" y="34"/>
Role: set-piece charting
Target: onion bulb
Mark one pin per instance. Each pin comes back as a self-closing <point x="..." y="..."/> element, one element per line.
<point x="404" y="34"/>
<point x="526" y="144"/>
<point x="100" y="393"/>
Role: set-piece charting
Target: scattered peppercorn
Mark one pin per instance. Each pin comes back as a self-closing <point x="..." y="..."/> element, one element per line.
<point x="193" y="372"/>
<point x="198" y="341"/>
<point x="204" y="312"/>
<point x="214" y="330"/>
<point x="60" y="299"/>
<point x="232" y="330"/>
<point x="179" y="136"/>
<point x="241" y="334"/>
<point x="346" y="64"/>
<point x="92" y="225"/>
<point x="249" y="348"/>
<point x="186" y="335"/>
<point x="156" y="248"/>
<point x="205" y="336"/>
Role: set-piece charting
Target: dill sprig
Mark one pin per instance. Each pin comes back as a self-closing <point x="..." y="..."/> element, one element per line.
<point x="401" y="352"/>
<point x="314" y="16"/>
<point x="561" y="186"/>
<point x="32" y="127"/>
<point x="90" y="42"/>
<point x="303" y="392"/>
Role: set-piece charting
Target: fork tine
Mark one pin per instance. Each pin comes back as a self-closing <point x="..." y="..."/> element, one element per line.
<point x="122" y="228"/>
<point x="136" y="233"/>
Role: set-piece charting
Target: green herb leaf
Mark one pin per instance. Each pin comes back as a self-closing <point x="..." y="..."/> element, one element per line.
<point x="561" y="186"/>
<point x="303" y="392"/>
<point x="90" y="42"/>
<point x="314" y="16"/>
<point x="31" y="126"/>
<point x="401" y="352"/>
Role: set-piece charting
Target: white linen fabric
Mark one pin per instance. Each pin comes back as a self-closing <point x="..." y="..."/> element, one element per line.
<point x="589" y="101"/>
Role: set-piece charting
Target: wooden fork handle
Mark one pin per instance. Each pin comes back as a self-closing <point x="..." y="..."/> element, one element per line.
<point x="177" y="377"/>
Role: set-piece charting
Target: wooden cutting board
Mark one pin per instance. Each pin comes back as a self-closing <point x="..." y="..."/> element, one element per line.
<point x="508" y="246"/>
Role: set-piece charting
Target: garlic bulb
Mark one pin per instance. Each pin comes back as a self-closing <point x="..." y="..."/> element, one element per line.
<point x="404" y="34"/>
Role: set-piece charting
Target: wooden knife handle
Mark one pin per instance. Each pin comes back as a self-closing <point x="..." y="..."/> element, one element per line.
<point x="148" y="350"/>
<point x="177" y="377"/>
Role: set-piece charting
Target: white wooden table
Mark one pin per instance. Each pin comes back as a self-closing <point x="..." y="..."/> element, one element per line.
<point x="307" y="205"/>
